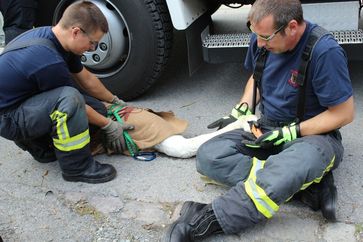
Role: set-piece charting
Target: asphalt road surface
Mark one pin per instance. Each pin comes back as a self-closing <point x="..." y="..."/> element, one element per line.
<point x="36" y="204"/>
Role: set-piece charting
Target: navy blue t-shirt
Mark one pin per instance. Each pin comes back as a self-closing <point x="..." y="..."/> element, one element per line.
<point x="327" y="84"/>
<point x="37" y="68"/>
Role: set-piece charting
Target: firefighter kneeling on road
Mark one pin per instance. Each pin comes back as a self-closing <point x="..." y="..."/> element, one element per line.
<point x="301" y="111"/>
<point x="42" y="108"/>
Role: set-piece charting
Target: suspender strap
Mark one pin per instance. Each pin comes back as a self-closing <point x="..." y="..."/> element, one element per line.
<point x="23" y="44"/>
<point x="314" y="37"/>
<point x="257" y="76"/>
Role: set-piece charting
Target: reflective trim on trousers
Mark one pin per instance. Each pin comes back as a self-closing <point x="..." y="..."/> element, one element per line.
<point x="65" y="142"/>
<point x="263" y="203"/>
<point x="318" y="179"/>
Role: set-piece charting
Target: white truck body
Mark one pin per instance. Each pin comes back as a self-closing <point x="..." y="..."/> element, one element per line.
<point x="132" y="56"/>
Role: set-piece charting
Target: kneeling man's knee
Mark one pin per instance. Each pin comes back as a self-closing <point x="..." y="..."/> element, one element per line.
<point x="205" y="158"/>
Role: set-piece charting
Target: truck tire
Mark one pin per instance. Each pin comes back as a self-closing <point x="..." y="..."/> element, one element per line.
<point x="133" y="54"/>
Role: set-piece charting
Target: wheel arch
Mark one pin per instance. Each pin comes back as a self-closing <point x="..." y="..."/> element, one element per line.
<point x="149" y="36"/>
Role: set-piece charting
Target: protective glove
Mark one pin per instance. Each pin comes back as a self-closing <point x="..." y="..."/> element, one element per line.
<point x="118" y="101"/>
<point x="238" y="111"/>
<point x="113" y="135"/>
<point x="275" y="137"/>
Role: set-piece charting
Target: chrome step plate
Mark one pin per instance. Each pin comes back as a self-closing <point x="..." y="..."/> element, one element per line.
<point x="243" y="39"/>
<point x="349" y="37"/>
<point x="227" y="40"/>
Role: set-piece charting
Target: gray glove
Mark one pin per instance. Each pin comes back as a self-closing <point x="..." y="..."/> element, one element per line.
<point x="118" y="101"/>
<point x="113" y="135"/>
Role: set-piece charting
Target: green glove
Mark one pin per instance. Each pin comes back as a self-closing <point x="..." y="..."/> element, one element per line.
<point x="275" y="137"/>
<point x="238" y="111"/>
<point x="113" y="135"/>
<point x="118" y="101"/>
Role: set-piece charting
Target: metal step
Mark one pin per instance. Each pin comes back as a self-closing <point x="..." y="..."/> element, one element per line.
<point x="348" y="37"/>
<point x="220" y="48"/>
<point x="227" y="40"/>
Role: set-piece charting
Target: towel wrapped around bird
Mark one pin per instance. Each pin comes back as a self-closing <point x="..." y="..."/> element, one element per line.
<point x="159" y="131"/>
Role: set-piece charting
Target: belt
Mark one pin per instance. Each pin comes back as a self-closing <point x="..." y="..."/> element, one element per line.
<point x="263" y="121"/>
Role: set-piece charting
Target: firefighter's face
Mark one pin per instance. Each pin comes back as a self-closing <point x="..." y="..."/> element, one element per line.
<point x="84" y="41"/>
<point x="270" y="37"/>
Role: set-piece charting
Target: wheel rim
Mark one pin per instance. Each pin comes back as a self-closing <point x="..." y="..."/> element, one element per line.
<point x="113" y="50"/>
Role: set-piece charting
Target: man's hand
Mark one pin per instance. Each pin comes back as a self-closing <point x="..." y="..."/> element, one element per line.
<point x="238" y="111"/>
<point x="118" y="101"/>
<point x="275" y="137"/>
<point x="113" y="134"/>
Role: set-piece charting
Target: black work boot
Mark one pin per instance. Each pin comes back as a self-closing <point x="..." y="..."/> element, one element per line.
<point x="322" y="196"/>
<point x="41" y="150"/>
<point x="197" y="221"/>
<point x="328" y="197"/>
<point x="95" y="173"/>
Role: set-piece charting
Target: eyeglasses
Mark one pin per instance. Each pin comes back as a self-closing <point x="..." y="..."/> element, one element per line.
<point x="93" y="43"/>
<point x="266" y="38"/>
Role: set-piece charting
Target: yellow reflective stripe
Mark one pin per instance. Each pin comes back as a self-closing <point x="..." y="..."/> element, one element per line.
<point x="263" y="203"/>
<point x="256" y="165"/>
<point x="257" y="199"/>
<point x="331" y="164"/>
<point x="73" y="143"/>
<point x="62" y="129"/>
<point x="318" y="179"/>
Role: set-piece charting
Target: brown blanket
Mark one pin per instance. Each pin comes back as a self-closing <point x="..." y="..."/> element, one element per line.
<point x="151" y="128"/>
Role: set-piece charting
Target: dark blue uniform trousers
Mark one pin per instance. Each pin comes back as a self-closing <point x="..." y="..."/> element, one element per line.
<point x="260" y="185"/>
<point x="55" y="120"/>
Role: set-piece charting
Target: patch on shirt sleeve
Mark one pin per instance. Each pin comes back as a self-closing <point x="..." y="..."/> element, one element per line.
<point x="292" y="81"/>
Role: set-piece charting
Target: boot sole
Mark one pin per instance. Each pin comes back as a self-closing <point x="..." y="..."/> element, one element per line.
<point x="184" y="210"/>
<point x="329" y="198"/>
<point x="89" y="180"/>
<point x="328" y="208"/>
<point x="310" y="200"/>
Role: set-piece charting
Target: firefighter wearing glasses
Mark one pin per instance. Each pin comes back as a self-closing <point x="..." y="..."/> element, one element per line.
<point x="49" y="103"/>
<point x="290" y="156"/>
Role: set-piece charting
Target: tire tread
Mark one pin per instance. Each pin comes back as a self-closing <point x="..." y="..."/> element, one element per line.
<point x="164" y="33"/>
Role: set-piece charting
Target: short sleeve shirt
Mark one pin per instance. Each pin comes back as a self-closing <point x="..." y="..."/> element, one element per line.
<point x="327" y="80"/>
<point x="34" y="69"/>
